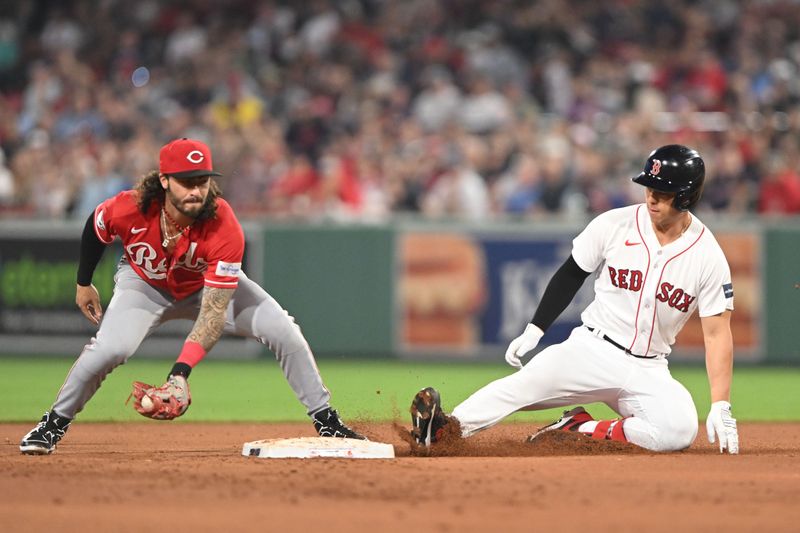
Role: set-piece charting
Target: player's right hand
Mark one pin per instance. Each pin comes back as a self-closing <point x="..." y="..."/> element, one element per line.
<point x="523" y="344"/>
<point x="88" y="301"/>
<point x="720" y="423"/>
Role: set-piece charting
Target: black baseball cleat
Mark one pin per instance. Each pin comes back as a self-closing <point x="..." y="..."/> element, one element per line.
<point x="570" y="421"/>
<point x="427" y="417"/>
<point x="42" y="439"/>
<point x="328" y="424"/>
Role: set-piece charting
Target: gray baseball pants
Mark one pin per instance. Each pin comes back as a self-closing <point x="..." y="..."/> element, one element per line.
<point x="137" y="308"/>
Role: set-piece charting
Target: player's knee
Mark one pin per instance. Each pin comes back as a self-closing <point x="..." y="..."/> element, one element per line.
<point x="278" y="330"/>
<point x="105" y="355"/>
<point x="289" y="345"/>
<point x="685" y="434"/>
<point x="662" y="435"/>
<point x="677" y="435"/>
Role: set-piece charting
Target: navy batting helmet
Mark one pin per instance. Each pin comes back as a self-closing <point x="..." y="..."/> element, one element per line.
<point x="676" y="169"/>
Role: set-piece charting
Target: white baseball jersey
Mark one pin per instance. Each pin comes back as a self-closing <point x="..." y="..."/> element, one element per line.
<point x="645" y="292"/>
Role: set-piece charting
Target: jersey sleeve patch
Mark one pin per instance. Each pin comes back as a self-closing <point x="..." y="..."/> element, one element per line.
<point x="727" y="290"/>
<point x="100" y="225"/>
<point x="100" y="222"/>
<point x="228" y="269"/>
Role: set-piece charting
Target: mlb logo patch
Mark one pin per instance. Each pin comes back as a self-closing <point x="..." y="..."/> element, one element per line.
<point x="727" y="290"/>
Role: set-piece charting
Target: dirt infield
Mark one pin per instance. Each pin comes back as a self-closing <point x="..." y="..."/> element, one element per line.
<point x="191" y="477"/>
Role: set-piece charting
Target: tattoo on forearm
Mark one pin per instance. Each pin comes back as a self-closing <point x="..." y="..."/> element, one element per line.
<point x="211" y="321"/>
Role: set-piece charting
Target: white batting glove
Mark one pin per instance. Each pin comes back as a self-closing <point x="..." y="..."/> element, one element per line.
<point x="523" y="344"/>
<point x="720" y="423"/>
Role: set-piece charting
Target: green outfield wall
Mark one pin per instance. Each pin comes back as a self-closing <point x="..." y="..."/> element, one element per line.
<point x="782" y="292"/>
<point x="407" y="288"/>
<point x="337" y="282"/>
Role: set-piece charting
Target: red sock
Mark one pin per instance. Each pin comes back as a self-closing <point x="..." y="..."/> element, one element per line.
<point x="616" y="431"/>
<point x="610" y="430"/>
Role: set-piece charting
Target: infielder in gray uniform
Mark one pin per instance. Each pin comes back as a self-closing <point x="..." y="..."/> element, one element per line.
<point x="183" y="250"/>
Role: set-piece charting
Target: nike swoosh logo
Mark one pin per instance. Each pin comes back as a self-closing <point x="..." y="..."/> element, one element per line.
<point x="628" y="243"/>
<point x="139" y="230"/>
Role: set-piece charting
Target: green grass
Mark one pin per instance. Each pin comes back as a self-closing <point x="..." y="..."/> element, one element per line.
<point x="361" y="389"/>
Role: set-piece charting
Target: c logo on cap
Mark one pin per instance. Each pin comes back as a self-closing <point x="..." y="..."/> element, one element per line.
<point x="195" y="156"/>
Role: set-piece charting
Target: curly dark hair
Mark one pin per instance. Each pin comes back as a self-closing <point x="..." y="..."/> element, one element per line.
<point x="149" y="189"/>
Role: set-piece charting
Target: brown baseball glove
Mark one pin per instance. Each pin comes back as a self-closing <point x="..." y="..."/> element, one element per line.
<point x="166" y="402"/>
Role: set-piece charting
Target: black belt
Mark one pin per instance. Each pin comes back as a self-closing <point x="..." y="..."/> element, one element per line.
<point x="621" y="347"/>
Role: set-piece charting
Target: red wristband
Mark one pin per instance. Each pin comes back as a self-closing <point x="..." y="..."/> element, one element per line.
<point x="191" y="354"/>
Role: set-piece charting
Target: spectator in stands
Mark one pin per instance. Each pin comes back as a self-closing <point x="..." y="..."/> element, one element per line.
<point x="281" y="85"/>
<point x="519" y="190"/>
<point x="438" y="103"/>
<point x="460" y="192"/>
<point x="780" y="188"/>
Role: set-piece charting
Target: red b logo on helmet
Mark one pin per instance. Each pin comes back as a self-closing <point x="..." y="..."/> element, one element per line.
<point x="656" y="167"/>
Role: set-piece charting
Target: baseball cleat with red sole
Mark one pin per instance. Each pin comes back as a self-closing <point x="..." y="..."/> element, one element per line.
<point x="570" y="421"/>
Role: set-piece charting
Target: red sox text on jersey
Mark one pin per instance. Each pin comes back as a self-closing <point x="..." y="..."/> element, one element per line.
<point x="668" y="293"/>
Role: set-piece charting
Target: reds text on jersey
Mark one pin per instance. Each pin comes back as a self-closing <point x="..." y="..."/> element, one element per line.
<point x="209" y="254"/>
<point x="645" y="292"/>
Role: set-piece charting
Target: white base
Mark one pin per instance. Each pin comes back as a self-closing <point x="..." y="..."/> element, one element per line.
<point x="309" y="447"/>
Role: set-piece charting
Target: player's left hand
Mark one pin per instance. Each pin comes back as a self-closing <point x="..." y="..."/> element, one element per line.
<point x="166" y="402"/>
<point x="88" y="301"/>
<point x="720" y="423"/>
<point x="522" y="345"/>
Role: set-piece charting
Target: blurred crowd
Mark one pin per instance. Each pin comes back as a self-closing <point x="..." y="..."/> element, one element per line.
<point x="364" y="109"/>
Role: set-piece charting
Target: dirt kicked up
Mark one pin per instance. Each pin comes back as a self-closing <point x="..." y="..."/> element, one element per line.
<point x="192" y="477"/>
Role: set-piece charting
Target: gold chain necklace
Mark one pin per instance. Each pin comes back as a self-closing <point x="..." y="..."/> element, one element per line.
<point x="167" y="238"/>
<point x="683" y="229"/>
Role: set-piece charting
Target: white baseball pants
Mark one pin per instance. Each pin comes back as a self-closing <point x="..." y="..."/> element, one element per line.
<point x="584" y="369"/>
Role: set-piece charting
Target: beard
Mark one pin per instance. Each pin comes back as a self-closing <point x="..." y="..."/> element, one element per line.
<point x="191" y="206"/>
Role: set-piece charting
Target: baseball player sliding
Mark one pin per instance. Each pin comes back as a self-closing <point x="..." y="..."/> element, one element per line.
<point x="182" y="258"/>
<point x="654" y="264"/>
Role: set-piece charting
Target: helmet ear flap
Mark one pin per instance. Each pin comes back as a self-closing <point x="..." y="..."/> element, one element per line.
<point x="686" y="200"/>
<point x="681" y="202"/>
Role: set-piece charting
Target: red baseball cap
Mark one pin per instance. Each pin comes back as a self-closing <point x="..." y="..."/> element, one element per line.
<point x="186" y="158"/>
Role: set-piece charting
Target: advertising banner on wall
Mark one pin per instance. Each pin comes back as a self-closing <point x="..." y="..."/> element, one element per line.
<point x="743" y="251"/>
<point x="38" y="315"/>
<point x="467" y="294"/>
<point x="461" y="294"/>
<point x="37" y="285"/>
